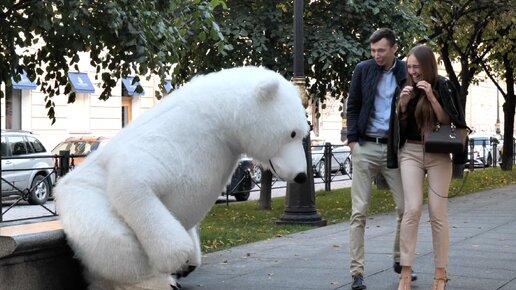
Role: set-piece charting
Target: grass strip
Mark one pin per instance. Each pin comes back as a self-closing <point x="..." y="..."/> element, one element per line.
<point x="241" y="223"/>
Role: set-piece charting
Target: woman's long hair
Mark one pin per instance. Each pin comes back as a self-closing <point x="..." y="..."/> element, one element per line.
<point x="424" y="114"/>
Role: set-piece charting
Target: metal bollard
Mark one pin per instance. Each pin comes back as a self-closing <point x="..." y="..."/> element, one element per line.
<point x="327" y="166"/>
<point x="471" y="154"/>
<point x="64" y="162"/>
<point x="495" y="154"/>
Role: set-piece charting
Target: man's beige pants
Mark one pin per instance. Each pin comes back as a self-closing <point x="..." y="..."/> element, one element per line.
<point x="369" y="159"/>
<point x="414" y="165"/>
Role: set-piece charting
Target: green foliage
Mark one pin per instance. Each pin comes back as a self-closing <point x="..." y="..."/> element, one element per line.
<point x="480" y="36"/>
<point x="260" y="32"/>
<point x="461" y="31"/>
<point x="44" y="38"/>
<point x="241" y="223"/>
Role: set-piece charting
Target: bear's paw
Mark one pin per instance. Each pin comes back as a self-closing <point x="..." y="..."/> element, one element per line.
<point x="169" y="257"/>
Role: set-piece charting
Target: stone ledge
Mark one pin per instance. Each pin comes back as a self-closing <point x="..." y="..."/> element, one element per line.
<point x="37" y="257"/>
<point x="17" y="239"/>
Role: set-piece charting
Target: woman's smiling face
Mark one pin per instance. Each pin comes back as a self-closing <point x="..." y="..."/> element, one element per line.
<point x="414" y="69"/>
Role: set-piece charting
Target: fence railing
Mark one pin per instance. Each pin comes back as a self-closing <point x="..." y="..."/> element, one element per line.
<point x="486" y="153"/>
<point x="16" y="196"/>
<point x="330" y="164"/>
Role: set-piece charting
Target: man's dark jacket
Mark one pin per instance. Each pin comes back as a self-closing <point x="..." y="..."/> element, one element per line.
<point x="361" y="102"/>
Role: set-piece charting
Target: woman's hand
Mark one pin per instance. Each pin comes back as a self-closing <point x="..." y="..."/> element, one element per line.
<point x="441" y="115"/>
<point x="407" y="93"/>
<point x="427" y="88"/>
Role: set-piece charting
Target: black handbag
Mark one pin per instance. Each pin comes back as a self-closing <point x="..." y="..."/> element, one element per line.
<point x="446" y="139"/>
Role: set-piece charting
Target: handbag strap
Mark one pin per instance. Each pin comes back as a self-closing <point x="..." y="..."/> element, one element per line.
<point x="451" y="194"/>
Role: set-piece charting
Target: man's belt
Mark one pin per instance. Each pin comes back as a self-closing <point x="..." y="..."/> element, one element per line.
<point x="376" y="140"/>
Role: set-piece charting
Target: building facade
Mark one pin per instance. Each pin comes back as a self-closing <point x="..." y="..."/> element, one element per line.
<point x="24" y="107"/>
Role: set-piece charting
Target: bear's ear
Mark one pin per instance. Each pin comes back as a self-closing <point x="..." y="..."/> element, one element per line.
<point x="267" y="89"/>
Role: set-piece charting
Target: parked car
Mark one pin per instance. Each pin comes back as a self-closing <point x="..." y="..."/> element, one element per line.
<point x="81" y="146"/>
<point x="483" y="149"/>
<point x="241" y="181"/>
<point x="38" y="178"/>
<point x="341" y="158"/>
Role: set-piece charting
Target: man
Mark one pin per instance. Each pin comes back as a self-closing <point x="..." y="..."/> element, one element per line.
<point x="373" y="139"/>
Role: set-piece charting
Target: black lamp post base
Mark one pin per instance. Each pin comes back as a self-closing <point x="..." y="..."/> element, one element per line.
<point x="304" y="218"/>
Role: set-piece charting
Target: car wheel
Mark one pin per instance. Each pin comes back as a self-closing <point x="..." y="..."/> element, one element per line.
<point x="320" y="170"/>
<point x="243" y="196"/>
<point x="41" y="191"/>
<point x="257" y="175"/>
<point x="346" y="167"/>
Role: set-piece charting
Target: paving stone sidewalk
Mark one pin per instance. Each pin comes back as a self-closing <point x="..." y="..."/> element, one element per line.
<point x="482" y="253"/>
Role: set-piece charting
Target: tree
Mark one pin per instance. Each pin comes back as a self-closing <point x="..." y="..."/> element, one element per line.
<point x="463" y="32"/>
<point x="500" y="65"/>
<point x="260" y="32"/>
<point x="44" y="39"/>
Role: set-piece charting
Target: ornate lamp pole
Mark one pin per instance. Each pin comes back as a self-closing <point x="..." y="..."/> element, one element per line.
<point x="300" y="198"/>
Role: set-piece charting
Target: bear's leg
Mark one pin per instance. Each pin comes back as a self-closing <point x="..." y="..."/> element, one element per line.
<point x="96" y="282"/>
<point x="195" y="258"/>
<point x="166" y="242"/>
<point x="106" y="246"/>
<point x="159" y="282"/>
<point x="194" y="233"/>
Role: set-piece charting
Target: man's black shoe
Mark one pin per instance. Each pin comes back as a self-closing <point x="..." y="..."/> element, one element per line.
<point x="397" y="269"/>
<point x="358" y="282"/>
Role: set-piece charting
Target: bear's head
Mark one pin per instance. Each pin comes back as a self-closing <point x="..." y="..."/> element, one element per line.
<point x="274" y="124"/>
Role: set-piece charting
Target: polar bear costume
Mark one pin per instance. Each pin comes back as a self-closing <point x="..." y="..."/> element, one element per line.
<point x="130" y="210"/>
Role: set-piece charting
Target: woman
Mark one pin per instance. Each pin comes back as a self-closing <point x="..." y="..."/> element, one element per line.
<point x="427" y="99"/>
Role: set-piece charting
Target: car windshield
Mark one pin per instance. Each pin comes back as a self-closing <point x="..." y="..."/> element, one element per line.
<point x="75" y="147"/>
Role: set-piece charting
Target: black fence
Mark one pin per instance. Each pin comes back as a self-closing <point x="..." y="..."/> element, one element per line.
<point x="330" y="164"/>
<point x="486" y="152"/>
<point x="35" y="191"/>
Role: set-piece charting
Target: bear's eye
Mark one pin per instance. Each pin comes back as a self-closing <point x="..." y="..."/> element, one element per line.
<point x="293" y="134"/>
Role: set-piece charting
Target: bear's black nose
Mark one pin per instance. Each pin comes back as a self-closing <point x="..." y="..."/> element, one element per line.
<point x="300" y="178"/>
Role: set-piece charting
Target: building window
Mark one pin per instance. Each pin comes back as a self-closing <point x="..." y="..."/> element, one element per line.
<point x="126" y="110"/>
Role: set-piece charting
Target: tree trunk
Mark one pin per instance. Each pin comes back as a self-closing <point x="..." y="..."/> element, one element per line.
<point x="508" y="141"/>
<point x="9" y="109"/>
<point x="508" y="110"/>
<point x="265" y="190"/>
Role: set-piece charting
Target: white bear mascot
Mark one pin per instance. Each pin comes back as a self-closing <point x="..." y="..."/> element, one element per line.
<point x="130" y="210"/>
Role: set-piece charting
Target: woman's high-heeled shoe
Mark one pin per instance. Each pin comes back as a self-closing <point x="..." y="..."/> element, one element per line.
<point x="440" y="283"/>
<point x="405" y="283"/>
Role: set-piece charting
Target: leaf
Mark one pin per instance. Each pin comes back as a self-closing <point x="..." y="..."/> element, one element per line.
<point x="71" y="98"/>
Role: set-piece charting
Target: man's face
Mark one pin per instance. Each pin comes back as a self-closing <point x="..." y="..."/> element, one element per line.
<point x="383" y="53"/>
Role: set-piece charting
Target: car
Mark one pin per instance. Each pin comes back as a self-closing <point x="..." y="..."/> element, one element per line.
<point x="341" y="158"/>
<point x="240" y="186"/>
<point x="27" y="167"/>
<point x="482" y="146"/>
<point x="241" y="180"/>
<point x="80" y="146"/>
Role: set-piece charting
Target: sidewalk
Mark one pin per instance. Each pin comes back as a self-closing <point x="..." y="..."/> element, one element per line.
<point x="482" y="253"/>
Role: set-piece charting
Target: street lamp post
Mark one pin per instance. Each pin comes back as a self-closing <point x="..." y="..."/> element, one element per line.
<point x="300" y="197"/>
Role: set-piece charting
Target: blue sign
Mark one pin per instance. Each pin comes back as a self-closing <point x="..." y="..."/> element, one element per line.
<point x="24" y="83"/>
<point x="131" y="89"/>
<point x="81" y="82"/>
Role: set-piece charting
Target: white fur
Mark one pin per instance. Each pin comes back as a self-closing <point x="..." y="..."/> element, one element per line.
<point x="129" y="211"/>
